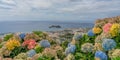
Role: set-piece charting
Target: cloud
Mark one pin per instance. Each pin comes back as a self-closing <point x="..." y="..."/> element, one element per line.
<point x="38" y="4"/>
<point x="58" y="9"/>
<point x="93" y="6"/>
<point x="8" y="1"/>
<point x="7" y="4"/>
<point x="93" y="9"/>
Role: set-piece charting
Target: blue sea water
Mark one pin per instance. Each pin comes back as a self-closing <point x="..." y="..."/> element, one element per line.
<point x="28" y="26"/>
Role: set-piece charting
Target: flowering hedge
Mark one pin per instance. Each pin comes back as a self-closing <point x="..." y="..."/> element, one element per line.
<point x="102" y="42"/>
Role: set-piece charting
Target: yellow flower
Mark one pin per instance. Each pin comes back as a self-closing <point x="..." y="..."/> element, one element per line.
<point x="97" y="30"/>
<point x="12" y="43"/>
<point x="9" y="46"/>
<point x="114" y="30"/>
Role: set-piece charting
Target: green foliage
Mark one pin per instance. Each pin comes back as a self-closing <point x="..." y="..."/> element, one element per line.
<point x="39" y="49"/>
<point x="60" y="55"/>
<point x="117" y="58"/>
<point x="7" y="37"/>
<point x="45" y="58"/>
<point x="40" y="34"/>
<point x="1" y="46"/>
<point x="78" y="47"/>
<point x="17" y="50"/>
<point x="79" y="55"/>
<point x="84" y="56"/>
<point x="64" y="44"/>
<point x="86" y="39"/>
<point x="53" y="43"/>
<point x="117" y="39"/>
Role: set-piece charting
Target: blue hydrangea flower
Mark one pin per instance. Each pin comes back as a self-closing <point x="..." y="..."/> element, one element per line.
<point x="69" y="44"/>
<point x="70" y="49"/>
<point x="101" y="55"/>
<point x="44" y="43"/>
<point x="108" y="44"/>
<point x="77" y="36"/>
<point x="22" y="35"/>
<point x="31" y="53"/>
<point x="90" y="33"/>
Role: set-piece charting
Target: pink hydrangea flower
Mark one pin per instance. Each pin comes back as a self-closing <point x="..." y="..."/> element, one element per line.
<point x="106" y="27"/>
<point x="29" y="43"/>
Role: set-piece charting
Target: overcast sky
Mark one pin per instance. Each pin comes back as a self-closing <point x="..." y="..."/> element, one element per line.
<point x="58" y="10"/>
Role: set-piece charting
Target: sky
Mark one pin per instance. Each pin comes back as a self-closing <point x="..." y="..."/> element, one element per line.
<point x="58" y="10"/>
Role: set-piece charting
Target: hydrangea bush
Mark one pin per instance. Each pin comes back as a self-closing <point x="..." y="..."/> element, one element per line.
<point x="102" y="42"/>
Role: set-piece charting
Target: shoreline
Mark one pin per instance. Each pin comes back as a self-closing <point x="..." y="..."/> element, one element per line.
<point x="69" y="30"/>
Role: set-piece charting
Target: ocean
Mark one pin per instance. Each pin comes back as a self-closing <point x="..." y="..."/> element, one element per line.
<point x="28" y="26"/>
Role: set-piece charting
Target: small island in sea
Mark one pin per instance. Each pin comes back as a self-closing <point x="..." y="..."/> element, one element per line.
<point x="55" y="26"/>
<point x="101" y="42"/>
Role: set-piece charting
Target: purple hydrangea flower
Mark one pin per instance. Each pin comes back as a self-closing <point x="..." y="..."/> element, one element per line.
<point x="70" y="49"/>
<point x="101" y="55"/>
<point x="44" y="43"/>
<point x="31" y="53"/>
<point x="22" y="35"/>
<point x="90" y="33"/>
<point x="108" y="44"/>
